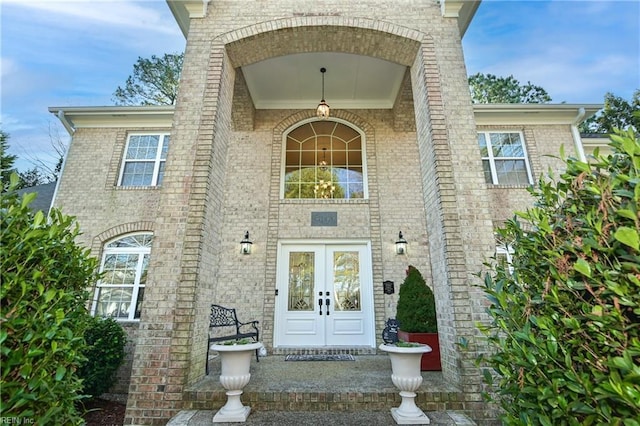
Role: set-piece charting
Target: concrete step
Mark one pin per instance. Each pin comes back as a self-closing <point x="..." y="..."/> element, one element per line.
<point x="320" y="386"/>
<point x="315" y="418"/>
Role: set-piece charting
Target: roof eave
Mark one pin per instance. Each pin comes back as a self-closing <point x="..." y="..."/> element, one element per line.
<point x="485" y="114"/>
<point x="462" y="10"/>
<point x="184" y="10"/>
<point x="156" y="116"/>
<point x="513" y="114"/>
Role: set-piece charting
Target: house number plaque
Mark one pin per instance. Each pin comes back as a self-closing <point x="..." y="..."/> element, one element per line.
<point x="324" y="218"/>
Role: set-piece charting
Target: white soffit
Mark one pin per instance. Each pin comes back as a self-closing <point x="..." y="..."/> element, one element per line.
<point x="351" y="81"/>
<point x="115" y="116"/>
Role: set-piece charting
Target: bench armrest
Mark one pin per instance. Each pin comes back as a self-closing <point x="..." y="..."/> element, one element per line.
<point x="253" y="324"/>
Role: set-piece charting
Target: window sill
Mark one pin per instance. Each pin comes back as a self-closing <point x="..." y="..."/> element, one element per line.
<point x="321" y="201"/>
<point x="122" y="321"/>
<point x="137" y="188"/>
<point x="125" y="322"/>
<point x="499" y="186"/>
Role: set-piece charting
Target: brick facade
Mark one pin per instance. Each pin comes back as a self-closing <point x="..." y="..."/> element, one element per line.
<point x="223" y="177"/>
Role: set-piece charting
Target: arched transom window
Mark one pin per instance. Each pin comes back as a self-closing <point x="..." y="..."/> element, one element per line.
<point x="324" y="160"/>
<point x="124" y="267"/>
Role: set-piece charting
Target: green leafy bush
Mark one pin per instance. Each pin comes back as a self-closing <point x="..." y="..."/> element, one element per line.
<point x="565" y="318"/>
<point x="416" y="310"/>
<point x="42" y="311"/>
<point x="105" y="340"/>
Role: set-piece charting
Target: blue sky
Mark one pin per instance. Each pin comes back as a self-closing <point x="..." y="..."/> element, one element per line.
<point x="77" y="52"/>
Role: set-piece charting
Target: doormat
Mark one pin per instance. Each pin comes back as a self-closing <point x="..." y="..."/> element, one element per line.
<point x="319" y="357"/>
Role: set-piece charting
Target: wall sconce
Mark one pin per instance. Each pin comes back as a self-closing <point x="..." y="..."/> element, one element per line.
<point x="245" y="244"/>
<point x="401" y="244"/>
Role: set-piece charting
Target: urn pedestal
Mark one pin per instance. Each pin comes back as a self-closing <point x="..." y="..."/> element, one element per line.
<point x="234" y="376"/>
<point x="406" y="376"/>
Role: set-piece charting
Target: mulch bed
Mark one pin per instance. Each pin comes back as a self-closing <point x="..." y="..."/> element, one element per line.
<point x="102" y="412"/>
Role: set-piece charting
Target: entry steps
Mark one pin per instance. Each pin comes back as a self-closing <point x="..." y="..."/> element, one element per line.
<point x="362" y="385"/>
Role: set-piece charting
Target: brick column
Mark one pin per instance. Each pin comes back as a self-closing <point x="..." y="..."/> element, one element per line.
<point x="171" y="348"/>
<point x="457" y="207"/>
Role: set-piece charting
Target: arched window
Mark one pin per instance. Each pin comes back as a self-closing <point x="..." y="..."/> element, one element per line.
<point x="324" y="160"/>
<point x="120" y="291"/>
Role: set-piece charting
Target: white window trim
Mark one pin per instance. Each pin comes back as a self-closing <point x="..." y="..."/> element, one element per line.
<point x="157" y="160"/>
<point x="136" y="286"/>
<point x="507" y="252"/>
<point x="283" y="164"/>
<point x="492" y="159"/>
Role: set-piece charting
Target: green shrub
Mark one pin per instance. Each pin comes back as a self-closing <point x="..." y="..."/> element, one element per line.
<point x="42" y="312"/>
<point x="565" y="321"/>
<point x="105" y="341"/>
<point x="416" y="310"/>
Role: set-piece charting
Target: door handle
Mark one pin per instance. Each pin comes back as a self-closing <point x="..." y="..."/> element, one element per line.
<point x="327" y="302"/>
<point x="320" y="304"/>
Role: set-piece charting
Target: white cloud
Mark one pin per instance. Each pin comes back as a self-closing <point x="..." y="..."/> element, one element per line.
<point x="576" y="50"/>
<point x="10" y="123"/>
<point x="116" y="13"/>
<point x="7" y="66"/>
<point x="71" y="53"/>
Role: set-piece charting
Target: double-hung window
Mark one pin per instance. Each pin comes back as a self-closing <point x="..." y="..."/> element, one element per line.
<point x="144" y="160"/>
<point x="504" y="256"/>
<point x="120" y="291"/>
<point x="504" y="158"/>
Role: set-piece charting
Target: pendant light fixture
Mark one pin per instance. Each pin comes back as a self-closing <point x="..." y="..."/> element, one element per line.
<point x="323" y="109"/>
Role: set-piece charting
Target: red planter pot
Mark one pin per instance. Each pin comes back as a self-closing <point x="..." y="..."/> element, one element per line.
<point x="430" y="361"/>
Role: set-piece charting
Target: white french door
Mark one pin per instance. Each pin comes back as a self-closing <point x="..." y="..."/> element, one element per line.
<point x="324" y="295"/>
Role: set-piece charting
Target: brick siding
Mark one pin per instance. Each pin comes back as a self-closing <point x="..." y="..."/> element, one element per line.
<point x="223" y="173"/>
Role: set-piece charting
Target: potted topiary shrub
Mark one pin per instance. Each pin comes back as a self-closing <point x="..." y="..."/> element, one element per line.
<point x="416" y="313"/>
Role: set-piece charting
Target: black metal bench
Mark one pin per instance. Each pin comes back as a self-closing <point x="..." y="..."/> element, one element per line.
<point x="224" y="326"/>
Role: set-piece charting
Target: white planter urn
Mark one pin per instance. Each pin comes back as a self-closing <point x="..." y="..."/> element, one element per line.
<point x="406" y="376"/>
<point x="235" y="375"/>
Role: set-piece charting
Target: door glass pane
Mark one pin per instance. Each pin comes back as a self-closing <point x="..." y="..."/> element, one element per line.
<point x="301" y="281"/>
<point x="346" y="280"/>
